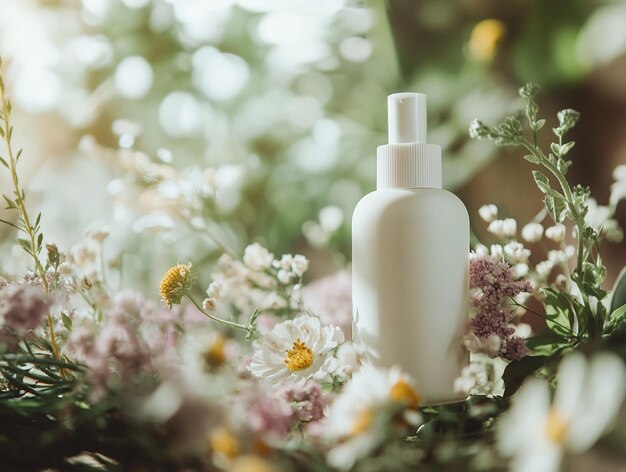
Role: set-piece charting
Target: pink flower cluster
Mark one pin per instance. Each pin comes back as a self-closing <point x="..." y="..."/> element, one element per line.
<point x="272" y="416"/>
<point x="496" y="284"/>
<point x="118" y="351"/>
<point x="22" y="308"/>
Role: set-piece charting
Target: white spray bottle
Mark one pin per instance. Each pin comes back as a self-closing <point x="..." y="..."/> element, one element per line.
<point x="410" y="243"/>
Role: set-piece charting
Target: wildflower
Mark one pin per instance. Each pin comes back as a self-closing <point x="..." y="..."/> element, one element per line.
<point x="22" y="308"/>
<point x="208" y="304"/>
<point x="556" y="233"/>
<point x="351" y="418"/>
<point x="488" y="213"/>
<point x="489" y="345"/>
<point x="296" y="349"/>
<point x="257" y="258"/>
<point x="175" y="283"/>
<point x="299" y="265"/>
<point x="516" y="252"/>
<point x="503" y="228"/>
<point x="532" y="232"/>
<point x="267" y="414"/>
<point x="284" y="277"/>
<point x="618" y="188"/>
<point x="496" y="280"/>
<point x="349" y="359"/>
<point x="306" y="400"/>
<point x="536" y="433"/>
<point x="514" y="349"/>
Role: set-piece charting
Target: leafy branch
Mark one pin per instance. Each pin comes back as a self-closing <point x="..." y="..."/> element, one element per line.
<point x="33" y="242"/>
<point x="562" y="202"/>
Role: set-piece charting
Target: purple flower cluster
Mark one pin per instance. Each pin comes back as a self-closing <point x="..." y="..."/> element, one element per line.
<point x="22" y="308"/>
<point x="496" y="284"/>
<point x="270" y="416"/>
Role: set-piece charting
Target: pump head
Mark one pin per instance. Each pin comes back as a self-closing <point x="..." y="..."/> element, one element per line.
<point x="406" y="118"/>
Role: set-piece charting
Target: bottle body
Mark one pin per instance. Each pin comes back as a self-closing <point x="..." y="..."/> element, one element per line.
<point x="410" y="285"/>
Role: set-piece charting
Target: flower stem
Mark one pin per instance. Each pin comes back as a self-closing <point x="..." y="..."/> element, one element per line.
<point x="26" y="225"/>
<point x="215" y="318"/>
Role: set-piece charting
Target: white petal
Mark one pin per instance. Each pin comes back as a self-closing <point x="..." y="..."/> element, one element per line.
<point x="571" y="377"/>
<point x="526" y="417"/>
<point x="606" y="387"/>
<point x="543" y="457"/>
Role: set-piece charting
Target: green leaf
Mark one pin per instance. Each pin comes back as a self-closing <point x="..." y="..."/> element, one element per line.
<point x="67" y="321"/>
<point x="539" y="124"/>
<point x="517" y="371"/>
<point x="565" y="148"/>
<point x="9" y="223"/>
<point x="1" y="132"/>
<point x="542" y="182"/>
<point x="556" y="149"/>
<point x="4" y="163"/>
<point x="532" y="158"/>
<point x="619" y="292"/>
<point x="616" y="322"/>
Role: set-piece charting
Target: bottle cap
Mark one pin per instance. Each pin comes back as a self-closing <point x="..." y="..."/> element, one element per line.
<point x="408" y="161"/>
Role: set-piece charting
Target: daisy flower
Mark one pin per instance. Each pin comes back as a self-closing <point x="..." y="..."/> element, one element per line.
<point x="536" y="432"/>
<point x="296" y="349"/>
<point x="351" y="419"/>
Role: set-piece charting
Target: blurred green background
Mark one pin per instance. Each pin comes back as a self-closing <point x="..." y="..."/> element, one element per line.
<point x="191" y="127"/>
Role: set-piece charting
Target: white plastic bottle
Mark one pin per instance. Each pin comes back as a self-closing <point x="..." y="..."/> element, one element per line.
<point x="410" y="243"/>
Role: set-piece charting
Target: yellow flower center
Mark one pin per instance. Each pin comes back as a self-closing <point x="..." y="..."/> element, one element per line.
<point x="362" y="422"/>
<point x="556" y="427"/>
<point x="174" y="284"/>
<point x="300" y="357"/>
<point x="222" y="442"/>
<point x="402" y="392"/>
<point x="215" y="356"/>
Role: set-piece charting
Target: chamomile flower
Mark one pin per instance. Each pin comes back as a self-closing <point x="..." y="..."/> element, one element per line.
<point x="296" y="349"/>
<point x="351" y="418"/>
<point x="536" y="432"/>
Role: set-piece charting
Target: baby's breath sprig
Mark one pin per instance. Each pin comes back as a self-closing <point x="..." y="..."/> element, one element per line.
<point x="562" y="202"/>
<point x="33" y="243"/>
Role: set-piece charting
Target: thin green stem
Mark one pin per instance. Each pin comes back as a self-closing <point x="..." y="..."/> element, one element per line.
<point x="215" y="318"/>
<point x="532" y="312"/>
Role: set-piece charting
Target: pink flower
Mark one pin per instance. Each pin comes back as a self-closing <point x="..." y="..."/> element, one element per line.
<point x="306" y="399"/>
<point x="496" y="280"/>
<point x="22" y="308"/>
<point x="515" y="348"/>
<point x="268" y="415"/>
<point x="330" y="298"/>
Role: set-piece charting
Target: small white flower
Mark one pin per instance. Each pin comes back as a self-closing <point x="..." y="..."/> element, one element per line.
<point x="532" y="232"/>
<point x="536" y="433"/>
<point x="497" y="251"/>
<point x="257" y="258"/>
<point x="488" y="213"/>
<point x="284" y="262"/>
<point x="490" y="345"/>
<point x="296" y="349"/>
<point x="471" y="376"/>
<point x="284" y="277"/>
<point x="299" y="265"/>
<point x="521" y="270"/>
<point x="544" y="268"/>
<point x="208" y="304"/>
<point x="618" y="188"/>
<point x="510" y="227"/>
<point x="503" y="228"/>
<point x="350" y="419"/>
<point x="556" y="233"/>
<point x="516" y="252"/>
<point x="481" y="250"/>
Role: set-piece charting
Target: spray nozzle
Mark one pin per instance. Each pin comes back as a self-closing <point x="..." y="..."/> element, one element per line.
<point x="407" y="118"/>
